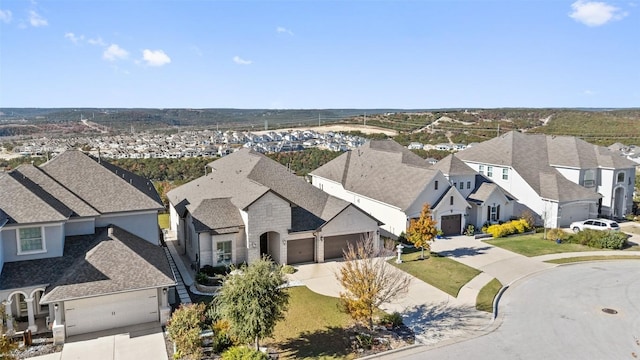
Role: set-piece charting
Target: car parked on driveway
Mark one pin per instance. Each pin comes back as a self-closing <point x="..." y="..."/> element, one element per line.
<point x="594" y="224"/>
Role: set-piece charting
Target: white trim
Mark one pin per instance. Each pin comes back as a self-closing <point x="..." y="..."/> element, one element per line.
<point x="106" y="215"/>
<point x="19" y="246"/>
<point x="83" y="219"/>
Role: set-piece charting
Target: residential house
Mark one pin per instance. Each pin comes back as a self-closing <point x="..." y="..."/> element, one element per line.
<point x="392" y="184"/>
<point x="488" y="202"/>
<point x="79" y="247"/>
<point x="560" y="178"/>
<point x="249" y="206"/>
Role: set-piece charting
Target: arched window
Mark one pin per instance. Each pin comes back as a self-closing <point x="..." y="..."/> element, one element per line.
<point x="620" y="177"/>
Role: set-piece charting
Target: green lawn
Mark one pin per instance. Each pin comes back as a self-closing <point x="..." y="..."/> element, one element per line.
<point x="445" y="274"/>
<point x="163" y="221"/>
<point x="535" y="245"/>
<point x="593" y="258"/>
<point x="484" y="302"/>
<point x="313" y="328"/>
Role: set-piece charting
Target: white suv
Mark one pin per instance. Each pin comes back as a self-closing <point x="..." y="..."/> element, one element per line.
<point x="594" y="224"/>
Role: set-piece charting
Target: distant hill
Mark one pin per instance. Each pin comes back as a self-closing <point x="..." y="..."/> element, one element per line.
<point x="600" y="126"/>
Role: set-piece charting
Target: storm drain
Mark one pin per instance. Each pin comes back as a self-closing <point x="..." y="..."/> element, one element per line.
<point x="609" y="311"/>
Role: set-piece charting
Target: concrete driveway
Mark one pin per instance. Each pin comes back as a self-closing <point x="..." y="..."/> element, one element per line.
<point x="144" y="341"/>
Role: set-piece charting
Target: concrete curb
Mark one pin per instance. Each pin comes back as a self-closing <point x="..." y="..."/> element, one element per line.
<point x="496" y="300"/>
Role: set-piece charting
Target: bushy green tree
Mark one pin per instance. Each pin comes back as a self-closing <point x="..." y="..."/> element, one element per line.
<point x="253" y="300"/>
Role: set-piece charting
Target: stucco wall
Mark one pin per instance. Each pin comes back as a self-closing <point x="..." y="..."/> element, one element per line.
<point x="80" y="227"/>
<point x="53" y="237"/>
<point x="142" y="224"/>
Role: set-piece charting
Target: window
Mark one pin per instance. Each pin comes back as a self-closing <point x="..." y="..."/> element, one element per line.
<point x="589" y="178"/>
<point x="451" y="200"/>
<point x="468" y="184"/>
<point x="223" y="250"/>
<point x="436" y="184"/>
<point x="461" y="185"/>
<point x="30" y="240"/>
<point x="490" y="171"/>
<point x="481" y="169"/>
<point x="494" y="213"/>
<point x="620" y="177"/>
<point x="505" y="174"/>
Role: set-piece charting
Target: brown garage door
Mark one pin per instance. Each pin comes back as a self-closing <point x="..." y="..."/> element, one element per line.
<point x="299" y="251"/>
<point x="451" y="224"/>
<point x="333" y="245"/>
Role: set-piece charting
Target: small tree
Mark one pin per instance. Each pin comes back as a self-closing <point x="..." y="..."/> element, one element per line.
<point x="422" y="230"/>
<point x="184" y="329"/>
<point x="253" y="300"/>
<point x="368" y="281"/>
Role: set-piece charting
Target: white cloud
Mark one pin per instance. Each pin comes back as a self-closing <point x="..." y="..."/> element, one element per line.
<point x="588" y="92"/>
<point x="5" y="16"/>
<point x="36" y="20"/>
<point x="115" y="52"/>
<point x="283" y="30"/>
<point x="241" y="61"/>
<point x="155" y="57"/>
<point x="73" y="37"/>
<point x="595" y="13"/>
<point x="97" y="41"/>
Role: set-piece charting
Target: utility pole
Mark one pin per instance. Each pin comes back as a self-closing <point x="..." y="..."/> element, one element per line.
<point x="498" y="129"/>
<point x="365" y="119"/>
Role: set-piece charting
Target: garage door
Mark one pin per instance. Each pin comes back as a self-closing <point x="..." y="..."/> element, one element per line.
<point x="333" y="245"/>
<point x="110" y="311"/>
<point x="451" y="224"/>
<point x="299" y="251"/>
<point x="574" y="212"/>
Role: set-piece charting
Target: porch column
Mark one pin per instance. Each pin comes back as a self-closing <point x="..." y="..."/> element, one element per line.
<point x="9" y="314"/>
<point x="30" y="311"/>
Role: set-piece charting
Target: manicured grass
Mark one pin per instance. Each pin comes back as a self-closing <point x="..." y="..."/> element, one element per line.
<point x="535" y="245"/>
<point x="445" y="274"/>
<point x="313" y="328"/>
<point x="484" y="302"/>
<point x="592" y="258"/>
<point x="163" y="221"/>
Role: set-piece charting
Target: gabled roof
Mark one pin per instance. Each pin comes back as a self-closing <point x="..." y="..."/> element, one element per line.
<point x="452" y="166"/>
<point x="483" y="190"/>
<point x="534" y="157"/>
<point x="244" y="177"/>
<point x="380" y="169"/>
<point x="22" y="201"/>
<point x="115" y="263"/>
<point x="93" y="265"/>
<point x="106" y="188"/>
<point x="218" y="214"/>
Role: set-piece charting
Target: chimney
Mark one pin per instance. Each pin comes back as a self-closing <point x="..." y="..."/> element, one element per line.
<point x="110" y="231"/>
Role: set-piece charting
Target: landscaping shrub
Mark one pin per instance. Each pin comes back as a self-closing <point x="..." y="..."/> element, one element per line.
<point x="395" y="319"/>
<point x="600" y="239"/>
<point x="214" y="270"/>
<point x="288" y="269"/>
<point x="184" y="329"/>
<point x="221" y="338"/>
<point x="470" y="230"/>
<point x="243" y="353"/>
<point x="512" y="227"/>
<point x="555" y="234"/>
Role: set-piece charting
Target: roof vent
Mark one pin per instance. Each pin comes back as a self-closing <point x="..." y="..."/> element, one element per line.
<point x="110" y="231"/>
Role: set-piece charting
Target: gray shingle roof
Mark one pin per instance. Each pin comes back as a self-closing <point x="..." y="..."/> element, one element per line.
<point x="218" y="214"/>
<point x="452" y="166"/>
<point x="93" y="265"/>
<point x="380" y="169"/>
<point x="483" y="190"/>
<point x="99" y="186"/>
<point x="22" y="201"/>
<point x="116" y="263"/>
<point x="532" y="155"/>
<point x="243" y="177"/>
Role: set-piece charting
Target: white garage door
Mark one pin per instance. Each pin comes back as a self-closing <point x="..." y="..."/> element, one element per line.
<point x="574" y="212"/>
<point x="110" y="311"/>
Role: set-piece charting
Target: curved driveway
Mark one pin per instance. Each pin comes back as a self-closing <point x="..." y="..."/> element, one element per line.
<point x="557" y="314"/>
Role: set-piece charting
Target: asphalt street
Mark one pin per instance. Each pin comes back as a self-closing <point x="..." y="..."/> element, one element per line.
<point x="558" y="314"/>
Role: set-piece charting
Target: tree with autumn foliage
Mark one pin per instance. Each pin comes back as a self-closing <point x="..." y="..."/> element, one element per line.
<point x="368" y="280"/>
<point x="423" y="230"/>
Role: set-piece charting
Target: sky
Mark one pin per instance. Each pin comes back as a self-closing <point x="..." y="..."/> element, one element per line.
<point x="314" y="54"/>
